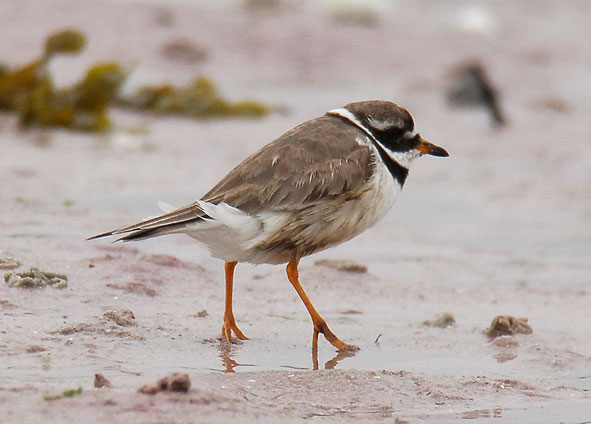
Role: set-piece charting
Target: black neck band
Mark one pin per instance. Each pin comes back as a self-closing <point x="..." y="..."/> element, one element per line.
<point x="398" y="172"/>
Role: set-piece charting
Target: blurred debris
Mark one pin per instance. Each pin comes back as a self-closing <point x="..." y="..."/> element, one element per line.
<point x="109" y="324"/>
<point x="36" y="278"/>
<point x="5" y="304"/>
<point x="268" y="5"/>
<point x="78" y="328"/>
<point x="441" y="321"/>
<point x="183" y="51"/>
<point x="163" y="17"/>
<point x="352" y="312"/>
<point x="9" y="263"/>
<point x="122" y="317"/>
<point x="134" y="288"/>
<point x="101" y="381"/>
<point x="176" y="382"/>
<point x="104" y="327"/>
<point x="35" y="349"/>
<point x="504" y="325"/>
<point x="201" y="314"/>
<point x="470" y="87"/>
<point x="351" y="12"/>
<point x="476" y="18"/>
<point x="129" y="139"/>
<point x="45" y="361"/>
<point x="342" y="265"/>
<point x="200" y="99"/>
<point x="551" y="104"/>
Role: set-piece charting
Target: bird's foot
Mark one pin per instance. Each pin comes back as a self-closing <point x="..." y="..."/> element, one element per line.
<point x="229" y="327"/>
<point x="321" y="327"/>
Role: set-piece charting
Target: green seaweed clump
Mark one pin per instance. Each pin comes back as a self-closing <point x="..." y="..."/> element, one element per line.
<point x="200" y="99"/>
<point x="68" y="41"/>
<point x="16" y="85"/>
<point x="83" y="106"/>
<point x="66" y="394"/>
<point x="4" y="69"/>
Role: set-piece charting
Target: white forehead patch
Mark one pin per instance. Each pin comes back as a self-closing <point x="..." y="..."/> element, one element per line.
<point x="384" y="125"/>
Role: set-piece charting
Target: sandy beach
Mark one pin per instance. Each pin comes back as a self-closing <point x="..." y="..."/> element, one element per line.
<point x="501" y="227"/>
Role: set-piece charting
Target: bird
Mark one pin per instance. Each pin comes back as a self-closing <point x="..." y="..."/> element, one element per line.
<point x="471" y="87"/>
<point x="319" y="184"/>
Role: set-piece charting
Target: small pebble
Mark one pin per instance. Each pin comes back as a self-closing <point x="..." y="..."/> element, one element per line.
<point x="122" y="317"/>
<point x="177" y="382"/>
<point x="441" y="321"/>
<point x="503" y="325"/>
<point x="101" y="381"/>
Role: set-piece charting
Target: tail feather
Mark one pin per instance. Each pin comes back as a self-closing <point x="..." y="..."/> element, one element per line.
<point x="169" y="223"/>
<point x="152" y="232"/>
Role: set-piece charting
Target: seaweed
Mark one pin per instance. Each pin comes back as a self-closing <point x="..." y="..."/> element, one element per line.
<point x="69" y="41"/>
<point x="66" y="394"/>
<point x="17" y="84"/>
<point x="200" y="99"/>
<point x="4" y="69"/>
<point x="30" y="91"/>
<point x="83" y="106"/>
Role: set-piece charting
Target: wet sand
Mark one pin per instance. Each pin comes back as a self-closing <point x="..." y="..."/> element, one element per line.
<point x="501" y="227"/>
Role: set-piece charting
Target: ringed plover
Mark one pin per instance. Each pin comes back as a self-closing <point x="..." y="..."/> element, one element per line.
<point x="318" y="185"/>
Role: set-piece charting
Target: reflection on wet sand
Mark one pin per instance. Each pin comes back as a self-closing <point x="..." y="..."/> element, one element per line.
<point x="332" y="363"/>
<point x="229" y="350"/>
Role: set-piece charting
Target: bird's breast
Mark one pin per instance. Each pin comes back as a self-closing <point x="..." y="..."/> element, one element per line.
<point x="327" y="223"/>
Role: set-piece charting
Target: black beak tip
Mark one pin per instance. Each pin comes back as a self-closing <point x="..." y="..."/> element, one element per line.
<point x="437" y="151"/>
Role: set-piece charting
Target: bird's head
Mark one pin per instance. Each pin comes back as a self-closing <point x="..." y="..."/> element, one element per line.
<point x="392" y="127"/>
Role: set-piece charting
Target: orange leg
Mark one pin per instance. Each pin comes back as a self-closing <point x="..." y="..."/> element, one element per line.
<point x="229" y="321"/>
<point x="320" y="325"/>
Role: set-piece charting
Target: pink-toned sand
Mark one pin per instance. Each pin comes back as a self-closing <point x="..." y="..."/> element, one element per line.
<point x="502" y="226"/>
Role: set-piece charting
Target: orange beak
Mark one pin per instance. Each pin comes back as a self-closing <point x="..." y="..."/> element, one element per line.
<point x="427" y="148"/>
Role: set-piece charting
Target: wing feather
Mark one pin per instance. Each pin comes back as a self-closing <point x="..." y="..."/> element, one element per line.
<point x="318" y="160"/>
